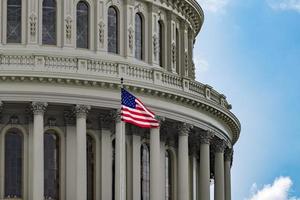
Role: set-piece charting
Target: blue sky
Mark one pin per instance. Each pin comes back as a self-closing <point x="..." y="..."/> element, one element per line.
<point x="250" y="51"/>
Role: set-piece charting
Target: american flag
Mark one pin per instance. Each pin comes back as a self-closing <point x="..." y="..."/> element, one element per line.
<point x="134" y="112"/>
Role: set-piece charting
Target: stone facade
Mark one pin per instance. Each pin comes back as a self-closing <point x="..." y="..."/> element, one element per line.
<point x="75" y="94"/>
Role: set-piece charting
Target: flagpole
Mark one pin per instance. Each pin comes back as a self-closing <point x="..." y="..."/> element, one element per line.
<point x="122" y="83"/>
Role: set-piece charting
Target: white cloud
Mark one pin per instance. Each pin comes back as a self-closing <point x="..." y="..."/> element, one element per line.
<point x="214" y="6"/>
<point x="279" y="190"/>
<point x="201" y="64"/>
<point x="293" y="5"/>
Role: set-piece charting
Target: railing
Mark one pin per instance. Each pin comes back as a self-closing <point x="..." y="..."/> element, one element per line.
<point x="107" y="69"/>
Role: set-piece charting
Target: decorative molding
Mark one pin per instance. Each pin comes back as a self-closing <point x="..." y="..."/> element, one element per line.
<point x="184" y="129"/>
<point x="101" y="26"/>
<point x="130" y="38"/>
<point x="155" y="46"/>
<point x="164" y="85"/>
<point x="32" y="22"/>
<point x="219" y="146"/>
<point x="206" y="137"/>
<point x="173" y="52"/>
<point x="228" y="155"/>
<point x="69" y="117"/>
<point x="68" y="21"/>
<point x="81" y="111"/>
<point x="39" y="108"/>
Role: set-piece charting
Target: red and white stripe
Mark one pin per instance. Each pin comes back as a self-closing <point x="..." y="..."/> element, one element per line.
<point x="140" y="116"/>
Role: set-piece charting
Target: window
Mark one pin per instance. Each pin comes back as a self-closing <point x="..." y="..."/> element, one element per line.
<point x="160" y="43"/>
<point x="14" y="12"/>
<point x="13" y="164"/>
<point x="82" y="25"/>
<point x="49" y="22"/>
<point x="145" y="172"/>
<point x="90" y="155"/>
<point x="168" y="175"/>
<point x="112" y="33"/>
<point x="177" y="50"/>
<point x="138" y="36"/>
<point x="51" y="165"/>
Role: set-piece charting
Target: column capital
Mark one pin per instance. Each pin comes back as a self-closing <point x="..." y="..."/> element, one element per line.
<point x="206" y="137"/>
<point x="228" y="154"/>
<point x="81" y="111"/>
<point x="220" y="146"/>
<point x="184" y="129"/>
<point x="1" y="106"/>
<point x="160" y="119"/>
<point x="38" y="108"/>
<point x="115" y="115"/>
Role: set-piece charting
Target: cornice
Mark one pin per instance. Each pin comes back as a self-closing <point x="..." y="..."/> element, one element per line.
<point x="196" y="103"/>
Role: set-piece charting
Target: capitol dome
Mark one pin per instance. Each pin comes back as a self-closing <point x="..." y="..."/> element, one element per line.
<point x="61" y="136"/>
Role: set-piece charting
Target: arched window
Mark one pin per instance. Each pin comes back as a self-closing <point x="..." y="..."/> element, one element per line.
<point x="168" y="175"/>
<point x="145" y="172"/>
<point x="160" y="43"/>
<point x="177" y="50"/>
<point x="138" y="36"/>
<point x="82" y="25"/>
<point x="112" y="33"/>
<point x="49" y="22"/>
<point x="14" y="25"/>
<point x="13" y="164"/>
<point x="51" y="165"/>
<point x="90" y="155"/>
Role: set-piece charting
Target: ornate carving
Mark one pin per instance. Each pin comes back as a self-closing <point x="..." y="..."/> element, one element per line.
<point x="173" y="51"/>
<point x="107" y="120"/>
<point x="186" y="63"/>
<point x="69" y="117"/>
<point x="1" y="106"/>
<point x="139" y="7"/>
<point x="205" y="138"/>
<point x="155" y="45"/>
<point x="51" y="121"/>
<point x="101" y="26"/>
<point x="39" y="108"/>
<point x="14" y="120"/>
<point x="130" y="37"/>
<point x="184" y="129"/>
<point x="81" y="111"/>
<point x="113" y="2"/>
<point x="68" y="21"/>
<point x="219" y="146"/>
<point x="208" y="91"/>
<point x="228" y="155"/>
<point x="32" y="22"/>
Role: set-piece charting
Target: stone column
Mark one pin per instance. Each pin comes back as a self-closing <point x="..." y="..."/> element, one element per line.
<point x="228" y="160"/>
<point x="120" y="159"/>
<point x="155" y="164"/>
<point x="37" y="169"/>
<point x="219" y="170"/>
<point x="183" y="162"/>
<point x="204" y="173"/>
<point x="81" y="175"/>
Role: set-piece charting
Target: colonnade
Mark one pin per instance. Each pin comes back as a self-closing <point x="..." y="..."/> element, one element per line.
<point x="222" y="162"/>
